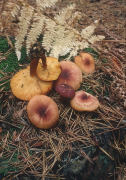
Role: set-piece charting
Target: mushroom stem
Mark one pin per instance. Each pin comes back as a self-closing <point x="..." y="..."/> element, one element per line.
<point x="43" y="59"/>
<point x="33" y="66"/>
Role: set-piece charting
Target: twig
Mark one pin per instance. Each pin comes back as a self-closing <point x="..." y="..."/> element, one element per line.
<point x="106" y="153"/>
<point x="10" y="124"/>
<point x="86" y="156"/>
<point x="4" y="144"/>
<point x="9" y="41"/>
<point x="120" y="41"/>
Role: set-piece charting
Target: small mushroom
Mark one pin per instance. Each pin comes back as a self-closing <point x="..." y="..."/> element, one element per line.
<point x="24" y="86"/>
<point x="43" y="111"/>
<point x="85" y="62"/>
<point x="70" y="75"/>
<point x="51" y="71"/>
<point x="84" y="101"/>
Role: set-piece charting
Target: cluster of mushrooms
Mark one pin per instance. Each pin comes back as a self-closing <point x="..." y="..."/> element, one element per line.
<point x="35" y="81"/>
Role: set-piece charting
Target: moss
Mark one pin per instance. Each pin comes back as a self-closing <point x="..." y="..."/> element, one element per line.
<point x="10" y="63"/>
<point x="92" y="51"/>
<point x="3" y="45"/>
<point x="6" y="166"/>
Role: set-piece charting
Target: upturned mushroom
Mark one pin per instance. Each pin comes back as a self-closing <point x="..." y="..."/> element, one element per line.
<point x="85" y="62"/>
<point x="65" y="91"/>
<point x="43" y="112"/>
<point x="70" y="75"/>
<point x="84" y="101"/>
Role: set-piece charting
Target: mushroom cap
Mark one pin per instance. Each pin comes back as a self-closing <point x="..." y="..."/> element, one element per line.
<point x="52" y="71"/>
<point x="84" y="101"/>
<point x="65" y="91"/>
<point x="70" y="75"/>
<point x="43" y="111"/>
<point x="85" y="62"/>
<point x="24" y="86"/>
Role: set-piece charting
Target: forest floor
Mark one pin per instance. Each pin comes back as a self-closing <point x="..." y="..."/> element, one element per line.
<point x="96" y="151"/>
<point x="111" y="13"/>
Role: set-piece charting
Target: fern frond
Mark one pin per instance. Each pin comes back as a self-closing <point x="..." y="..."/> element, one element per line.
<point x="57" y="38"/>
<point x="95" y="38"/>
<point x="49" y="34"/>
<point x="35" y="31"/>
<point x="74" y="18"/>
<point x="42" y="4"/>
<point x="78" y="45"/>
<point x="88" y="34"/>
<point x="59" y="35"/>
<point x="62" y="43"/>
<point x="61" y="40"/>
<point x="15" y="10"/>
<point x="26" y="15"/>
<point x="65" y="14"/>
<point x="88" y="31"/>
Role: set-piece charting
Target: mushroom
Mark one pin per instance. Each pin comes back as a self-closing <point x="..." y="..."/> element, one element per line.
<point x="42" y="111"/>
<point x="51" y="71"/>
<point x="84" y="101"/>
<point x="70" y="75"/>
<point x="65" y="91"/>
<point x="24" y="86"/>
<point x="85" y="62"/>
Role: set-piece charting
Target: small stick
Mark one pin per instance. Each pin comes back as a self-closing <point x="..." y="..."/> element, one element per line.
<point x="106" y="153"/>
<point x="9" y="41"/>
<point x="120" y="41"/>
<point x="10" y="124"/>
<point x="86" y="156"/>
<point x="97" y="145"/>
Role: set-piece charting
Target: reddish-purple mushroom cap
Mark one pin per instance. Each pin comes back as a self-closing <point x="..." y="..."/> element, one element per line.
<point x="84" y="101"/>
<point x="70" y="75"/>
<point x="65" y="91"/>
<point x="43" y="111"/>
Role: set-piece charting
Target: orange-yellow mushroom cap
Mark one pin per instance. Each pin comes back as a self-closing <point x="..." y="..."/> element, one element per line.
<point x="24" y="86"/>
<point x="52" y="70"/>
<point x="85" y="62"/>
